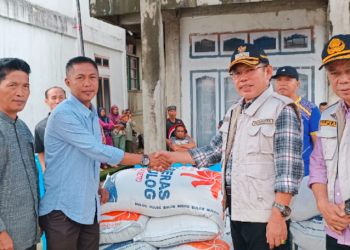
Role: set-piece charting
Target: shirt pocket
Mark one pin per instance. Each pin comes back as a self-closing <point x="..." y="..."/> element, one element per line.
<point x="260" y="140"/>
<point x="261" y="185"/>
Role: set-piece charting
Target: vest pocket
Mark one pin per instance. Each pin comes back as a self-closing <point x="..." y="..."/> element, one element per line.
<point x="266" y="140"/>
<point x="253" y="140"/>
<point x="260" y="140"/>
<point x="329" y="145"/>
<point x="329" y="141"/>
<point x="261" y="182"/>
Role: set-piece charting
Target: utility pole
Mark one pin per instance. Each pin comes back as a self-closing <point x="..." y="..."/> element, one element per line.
<point x="80" y="27"/>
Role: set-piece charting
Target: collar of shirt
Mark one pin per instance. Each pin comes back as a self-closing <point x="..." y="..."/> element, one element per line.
<point x="84" y="110"/>
<point x="7" y="118"/>
<point x="345" y="108"/>
<point x="246" y="105"/>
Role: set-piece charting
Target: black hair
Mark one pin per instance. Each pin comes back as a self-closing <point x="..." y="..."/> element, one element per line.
<point x="221" y="122"/>
<point x="78" y="60"/>
<point x="55" y="87"/>
<point x="8" y="65"/>
<point x="182" y="126"/>
<point x="323" y="104"/>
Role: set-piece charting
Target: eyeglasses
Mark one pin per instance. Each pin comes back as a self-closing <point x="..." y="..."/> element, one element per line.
<point x="248" y="72"/>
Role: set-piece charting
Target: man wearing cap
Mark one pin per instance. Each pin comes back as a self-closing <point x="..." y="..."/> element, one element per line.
<point x="286" y="84"/>
<point x="172" y="122"/>
<point x="260" y="148"/>
<point x="330" y="160"/>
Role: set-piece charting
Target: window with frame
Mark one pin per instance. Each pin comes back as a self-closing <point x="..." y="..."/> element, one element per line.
<point x="132" y="72"/>
<point x="103" y="95"/>
<point x="102" y="62"/>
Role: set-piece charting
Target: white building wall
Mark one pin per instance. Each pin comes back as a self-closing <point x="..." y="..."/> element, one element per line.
<point x="246" y="22"/>
<point x="65" y="7"/>
<point x="48" y="40"/>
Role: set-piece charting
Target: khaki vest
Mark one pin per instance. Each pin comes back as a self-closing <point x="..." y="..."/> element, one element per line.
<point x="253" y="168"/>
<point x="334" y="132"/>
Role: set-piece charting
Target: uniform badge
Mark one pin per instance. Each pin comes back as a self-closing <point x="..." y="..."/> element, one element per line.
<point x="328" y="123"/>
<point x="263" y="122"/>
<point x="336" y="45"/>
<point x="242" y="53"/>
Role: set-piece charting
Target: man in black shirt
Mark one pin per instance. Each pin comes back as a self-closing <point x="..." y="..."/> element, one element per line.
<point x="172" y="122"/>
<point x="53" y="96"/>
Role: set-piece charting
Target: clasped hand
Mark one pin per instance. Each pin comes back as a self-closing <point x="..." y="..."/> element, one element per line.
<point x="160" y="161"/>
<point x="335" y="216"/>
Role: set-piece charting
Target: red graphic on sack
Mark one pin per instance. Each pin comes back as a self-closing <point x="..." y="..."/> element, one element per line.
<point x="207" y="178"/>
<point x="121" y="216"/>
<point x="214" y="244"/>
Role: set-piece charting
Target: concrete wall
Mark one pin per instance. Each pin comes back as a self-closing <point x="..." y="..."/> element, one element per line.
<point x="281" y="20"/>
<point x="45" y="38"/>
<point x="100" y="8"/>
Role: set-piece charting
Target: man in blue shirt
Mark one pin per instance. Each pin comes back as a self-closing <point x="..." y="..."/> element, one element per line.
<point x="70" y="209"/>
<point x="287" y="83"/>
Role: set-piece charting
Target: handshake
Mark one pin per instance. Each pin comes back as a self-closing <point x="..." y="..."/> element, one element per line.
<point x="161" y="160"/>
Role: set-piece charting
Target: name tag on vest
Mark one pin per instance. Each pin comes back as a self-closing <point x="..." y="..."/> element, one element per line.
<point x="262" y="122"/>
<point x="328" y="123"/>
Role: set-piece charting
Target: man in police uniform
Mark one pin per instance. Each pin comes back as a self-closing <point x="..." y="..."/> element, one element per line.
<point x="330" y="160"/>
<point x="260" y="149"/>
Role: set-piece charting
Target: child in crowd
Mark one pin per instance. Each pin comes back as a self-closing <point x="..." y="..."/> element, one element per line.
<point x="122" y="124"/>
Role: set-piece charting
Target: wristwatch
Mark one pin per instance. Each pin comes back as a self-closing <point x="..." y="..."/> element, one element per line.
<point x="347" y="206"/>
<point x="285" y="210"/>
<point x="145" y="161"/>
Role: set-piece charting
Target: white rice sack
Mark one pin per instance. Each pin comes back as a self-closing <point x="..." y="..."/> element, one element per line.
<point x="310" y="234"/>
<point x="121" y="226"/>
<point x="305" y="206"/>
<point x="176" y="191"/>
<point x="178" y="229"/>
<point x="128" y="245"/>
<point x="223" y="241"/>
<point x="215" y="244"/>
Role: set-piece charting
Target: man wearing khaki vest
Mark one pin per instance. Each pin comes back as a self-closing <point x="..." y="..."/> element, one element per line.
<point x="260" y="149"/>
<point x="330" y="160"/>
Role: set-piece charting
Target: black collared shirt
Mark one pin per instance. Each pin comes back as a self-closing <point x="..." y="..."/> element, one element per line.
<point x="39" y="135"/>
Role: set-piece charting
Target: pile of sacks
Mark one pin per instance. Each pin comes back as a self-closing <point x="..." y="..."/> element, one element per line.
<point x="307" y="225"/>
<point x="180" y="208"/>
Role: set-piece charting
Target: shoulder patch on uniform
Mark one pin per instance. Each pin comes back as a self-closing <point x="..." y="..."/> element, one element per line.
<point x="263" y="121"/>
<point x="328" y="123"/>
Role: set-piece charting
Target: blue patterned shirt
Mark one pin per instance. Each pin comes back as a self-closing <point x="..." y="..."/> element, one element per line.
<point x="311" y="116"/>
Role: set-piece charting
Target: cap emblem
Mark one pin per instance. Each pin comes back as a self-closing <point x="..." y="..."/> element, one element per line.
<point x="283" y="70"/>
<point x="336" y="45"/>
<point x="242" y="52"/>
<point x="242" y="49"/>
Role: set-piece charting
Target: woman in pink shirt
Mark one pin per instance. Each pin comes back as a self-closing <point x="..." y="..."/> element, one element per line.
<point x="107" y="125"/>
